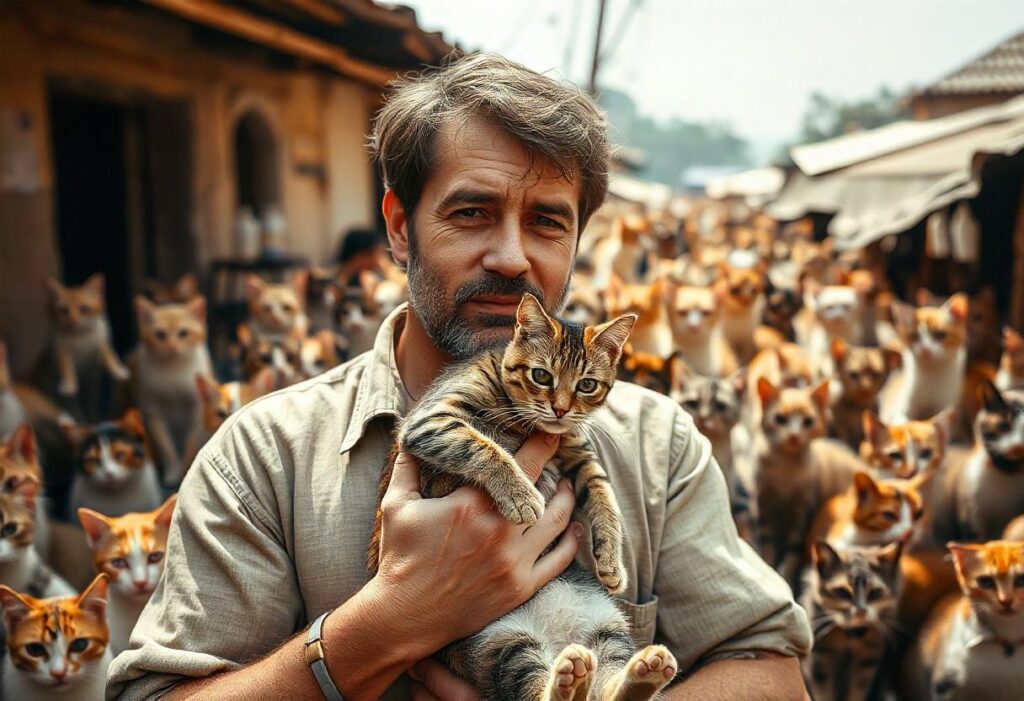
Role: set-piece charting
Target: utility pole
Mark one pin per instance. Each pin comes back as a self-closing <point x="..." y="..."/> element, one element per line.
<point x="595" y="63"/>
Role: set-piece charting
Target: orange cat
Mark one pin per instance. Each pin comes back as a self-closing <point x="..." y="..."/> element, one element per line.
<point x="905" y="450"/>
<point x="56" y="648"/>
<point x="860" y="373"/>
<point x="694" y="313"/>
<point x="221" y="401"/>
<point x="971" y="645"/>
<point x="277" y="311"/>
<point x="130" y="551"/>
<point x="622" y="253"/>
<point x="872" y="512"/>
<point x="21" y="474"/>
<point x="652" y="333"/>
<point x="319" y="353"/>
<point x="181" y="292"/>
<point x="741" y="293"/>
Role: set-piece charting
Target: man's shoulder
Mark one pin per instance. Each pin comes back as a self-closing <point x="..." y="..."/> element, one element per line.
<point x="641" y="417"/>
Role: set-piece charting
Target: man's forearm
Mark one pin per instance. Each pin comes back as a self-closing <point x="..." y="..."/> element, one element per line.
<point x="364" y="651"/>
<point x="769" y="679"/>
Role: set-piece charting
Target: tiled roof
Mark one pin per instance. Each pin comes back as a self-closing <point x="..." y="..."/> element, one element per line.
<point x="1001" y="70"/>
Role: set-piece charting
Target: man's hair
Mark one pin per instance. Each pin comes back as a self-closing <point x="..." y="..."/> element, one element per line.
<point x="556" y="124"/>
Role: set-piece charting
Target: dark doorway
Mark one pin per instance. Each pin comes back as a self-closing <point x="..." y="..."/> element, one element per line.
<point x="256" y="164"/>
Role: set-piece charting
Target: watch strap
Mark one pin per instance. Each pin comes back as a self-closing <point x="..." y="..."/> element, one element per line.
<point x="315" y="660"/>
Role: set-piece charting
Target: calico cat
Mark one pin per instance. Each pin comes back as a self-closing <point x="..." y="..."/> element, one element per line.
<point x="553" y="375"/>
<point x="985" y="491"/>
<point x="851" y="596"/>
<point x="934" y="360"/>
<point x="860" y="374"/>
<point x="116" y="472"/>
<point x="259" y="353"/>
<point x="21" y="566"/>
<point x="905" y="450"/>
<point x="694" y="313"/>
<point x="130" y="551"/>
<point x="56" y="647"/>
<point x="171" y="353"/>
<point x="652" y="333"/>
<point x="872" y="512"/>
<point x="971" y="646"/>
<point x="222" y="400"/>
<point x="741" y="293"/>
<point x="1011" y="364"/>
<point x="82" y="348"/>
<point x="183" y="291"/>
<point x="277" y="311"/>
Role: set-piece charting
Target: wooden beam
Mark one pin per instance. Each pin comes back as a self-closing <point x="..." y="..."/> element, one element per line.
<point x="262" y="31"/>
<point x="323" y="11"/>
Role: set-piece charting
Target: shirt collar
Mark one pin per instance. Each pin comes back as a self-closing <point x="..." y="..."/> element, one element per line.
<point x="380" y="387"/>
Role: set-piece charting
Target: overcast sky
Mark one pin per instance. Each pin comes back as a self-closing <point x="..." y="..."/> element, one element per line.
<point x="749" y="62"/>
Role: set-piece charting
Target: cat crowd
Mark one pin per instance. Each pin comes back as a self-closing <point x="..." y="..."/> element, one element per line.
<point x="873" y="448"/>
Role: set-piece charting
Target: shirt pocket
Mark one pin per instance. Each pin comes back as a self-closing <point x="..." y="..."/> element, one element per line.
<point x="643" y="620"/>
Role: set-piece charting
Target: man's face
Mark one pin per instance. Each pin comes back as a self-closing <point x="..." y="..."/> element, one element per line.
<point x="488" y="227"/>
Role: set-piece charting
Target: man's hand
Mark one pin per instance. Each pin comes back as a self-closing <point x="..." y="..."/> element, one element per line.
<point x="435" y="683"/>
<point x="452" y="565"/>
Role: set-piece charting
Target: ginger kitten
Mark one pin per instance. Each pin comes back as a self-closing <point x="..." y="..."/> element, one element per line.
<point x="905" y="450"/>
<point x="56" y="647"/>
<point x="695" y="316"/>
<point x="222" y="400"/>
<point x="183" y="291"/>
<point x="872" y="512"/>
<point x="741" y="293"/>
<point x="652" y="333"/>
<point x="552" y="376"/>
<point x="278" y="310"/>
<point x="129" y="550"/>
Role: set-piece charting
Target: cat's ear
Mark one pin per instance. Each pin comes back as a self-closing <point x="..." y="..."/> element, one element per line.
<point x="162" y="516"/>
<point x="611" y="335"/>
<point x="864" y="486"/>
<point x="820" y="395"/>
<point x="943" y="423"/>
<point x="990" y="398"/>
<point x="1013" y="342"/>
<point x="131" y="421"/>
<point x="197" y="308"/>
<point x="208" y="388"/>
<point x="53" y="288"/>
<point x="875" y="432"/>
<point x="187" y="286"/>
<point x="964" y="555"/>
<point x="244" y="334"/>
<point x="16" y="606"/>
<point x="301" y="283"/>
<point x="95" y="525"/>
<point x="863" y="283"/>
<point x="254" y="286"/>
<point x="889" y="558"/>
<point x="824" y="555"/>
<point x="94" y="598"/>
<point x="144" y="311"/>
<point x="840" y="349"/>
<point x="924" y="298"/>
<point x="766" y="391"/>
<point x="903" y="316"/>
<point x="532" y="321"/>
<point x="893" y="354"/>
<point x="957" y="307"/>
<point x="22" y="444"/>
<point x="95" y="284"/>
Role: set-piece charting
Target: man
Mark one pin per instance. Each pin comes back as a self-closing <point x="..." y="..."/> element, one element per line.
<point x="492" y="171"/>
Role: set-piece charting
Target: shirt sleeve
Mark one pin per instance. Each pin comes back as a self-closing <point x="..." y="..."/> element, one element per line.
<point x="228" y="594"/>
<point x="717" y="598"/>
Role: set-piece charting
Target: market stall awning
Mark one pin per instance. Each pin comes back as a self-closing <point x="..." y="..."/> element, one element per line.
<point x="756" y="186"/>
<point x="886" y="183"/>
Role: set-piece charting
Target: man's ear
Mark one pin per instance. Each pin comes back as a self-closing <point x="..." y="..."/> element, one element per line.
<point x="396" y="219"/>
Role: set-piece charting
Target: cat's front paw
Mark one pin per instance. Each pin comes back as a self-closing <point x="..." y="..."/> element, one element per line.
<point x="68" y="387"/>
<point x="520" y="502"/>
<point x="611" y="570"/>
<point x="572" y="674"/>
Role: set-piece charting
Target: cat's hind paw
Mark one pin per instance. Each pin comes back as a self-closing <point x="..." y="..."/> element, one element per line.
<point x="647" y="673"/>
<point x="571" y="675"/>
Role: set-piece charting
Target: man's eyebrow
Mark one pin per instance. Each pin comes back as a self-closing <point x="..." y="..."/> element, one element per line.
<point x="467" y="195"/>
<point x="556" y="208"/>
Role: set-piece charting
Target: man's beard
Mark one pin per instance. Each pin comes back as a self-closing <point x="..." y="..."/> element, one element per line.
<point x="445" y="320"/>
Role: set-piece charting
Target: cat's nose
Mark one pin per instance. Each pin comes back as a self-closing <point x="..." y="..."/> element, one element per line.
<point x="140" y="586"/>
<point x="59" y="674"/>
<point x="559" y="412"/>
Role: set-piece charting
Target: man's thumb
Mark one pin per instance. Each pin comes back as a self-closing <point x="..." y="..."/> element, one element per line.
<point x="405" y="476"/>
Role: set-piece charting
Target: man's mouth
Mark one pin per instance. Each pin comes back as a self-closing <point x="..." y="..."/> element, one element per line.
<point x="496" y="304"/>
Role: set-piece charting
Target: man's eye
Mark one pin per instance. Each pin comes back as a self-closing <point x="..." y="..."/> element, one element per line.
<point x="548" y="222"/>
<point x="469" y="213"/>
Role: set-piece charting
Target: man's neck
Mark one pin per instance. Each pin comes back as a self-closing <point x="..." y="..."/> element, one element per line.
<point x="419" y="360"/>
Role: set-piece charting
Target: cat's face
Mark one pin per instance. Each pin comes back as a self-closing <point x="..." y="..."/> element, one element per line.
<point x="991" y="575"/>
<point x="319" y="353"/>
<point x="584" y="304"/>
<point x="857" y="588"/>
<point x="740" y="288"/>
<point x="836" y="307"/>
<point x="181" y="292"/>
<point x="57" y="642"/>
<point x="260" y="352"/>
<point x="647" y="302"/>
<point x="791" y="367"/>
<point x="905" y="450"/>
<point x="781" y="304"/>
<point x="276" y="308"/>
<point x="173" y="330"/>
<point x="714" y="403"/>
<point x="862" y="372"/>
<point x="112" y="452"/>
<point x="999" y="427"/>
<point x="17" y="522"/>
<point x="77" y="308"/>
<point x="933" y="334"/>
<point x="129" y="549"/>
<point x="693" y="313"/>
<point x="647" y="370"/>
<point x="19" y="461"/>
<point x="792" y="417"/>
<point x="556" y="373"/>
<point x="891" y="506"/>
<point x="222" y="400"/>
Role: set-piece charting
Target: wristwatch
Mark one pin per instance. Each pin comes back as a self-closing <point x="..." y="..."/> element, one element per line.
<point x="315" y="660"/>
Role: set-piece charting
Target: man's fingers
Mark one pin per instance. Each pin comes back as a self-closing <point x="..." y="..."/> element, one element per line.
<point x="405" y="477"/>
<point x="441" y="683"/>
<point x="555" y="562"/>
<point x="535" y="453"/>
<point x="422" y="693"/>
<point x="556" y="517"/>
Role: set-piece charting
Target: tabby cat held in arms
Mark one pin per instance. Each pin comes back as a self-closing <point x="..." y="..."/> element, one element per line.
<point x="552" y="376"/>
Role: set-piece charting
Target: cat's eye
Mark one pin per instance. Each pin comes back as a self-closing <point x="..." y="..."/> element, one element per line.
<point x="692" y="404"/>
<point x="854" y="375"/>
<point x="586" y="385"/>
<point x="1018" y="581"/>
<point x="895" y="456"/>
<point x="986" y="582"/>
<point x="720" y="407"/>
<point x="84" y="309"/>
<point x="542" y="377"/>
<point x="36" y="650"/>
<point x="155" y="557"/>
<point x="79" y="645"/>
<point x="926" y="454"/>
<point x="875" y="594"/>
<point x="8" y="530"/>
<point x="808" y="422"/>
<point x="939" y="336"/>
<point x="119" y="563"/>
<point x="781" y="419"/>
<point x="160" y="334"/>
<point x="267" y="308"/>
<point x="842" y="593"/>
<point x="182" y="333"/>
<point x="891" y="516"/>
<point x="223" y="413"/>
<point x="11" y="484"/>
<point x="287" y="308"/>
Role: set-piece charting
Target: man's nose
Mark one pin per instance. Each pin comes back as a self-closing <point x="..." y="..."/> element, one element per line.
<point x="506" y="256"/>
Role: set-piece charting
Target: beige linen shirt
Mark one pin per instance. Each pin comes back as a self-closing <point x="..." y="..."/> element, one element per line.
<point x="274" y="518"/>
